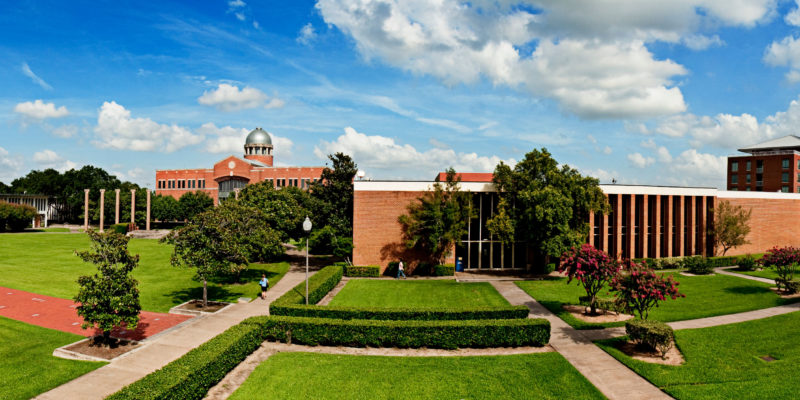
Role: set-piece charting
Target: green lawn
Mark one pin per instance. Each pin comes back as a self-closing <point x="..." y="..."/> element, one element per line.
<point x="706" y="296"/>
<point x="46" y="264"/>
<point x="326" y="376"/>
<point x="428" y="293"/>
<point x="723" y="362"/>
<point x="27" y="366"/>
<point x="768" y="273"/>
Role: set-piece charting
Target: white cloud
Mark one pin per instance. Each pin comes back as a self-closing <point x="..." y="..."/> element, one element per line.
<point x="663" y="155"/>
<point x="602" y="175"/>
<point x="227" y="139"/>
<point x="65" y="131"/>
<point x="785" y="53"/>
<point x="35" y="78"/>
<point x="50" y="159"/>
<point x="694" y="168"/>
<point x="793" y="17"/>
<point x="40" y="110"/>
<point x="640" y="161"/>
<point x="383" y="153"/>
<point x="306" y="34"/>
<point x="10" y="166"/>
<point x="230" y="98"/>
<point x="236" y="4"/>
<point x="607" y="150"/>
<point x="117" y="130"/>
<point x="588" y="56"/>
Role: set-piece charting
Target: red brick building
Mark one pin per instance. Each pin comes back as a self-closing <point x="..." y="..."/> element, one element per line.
<point x="233" y="173"/>
<point x="772" y="166"/>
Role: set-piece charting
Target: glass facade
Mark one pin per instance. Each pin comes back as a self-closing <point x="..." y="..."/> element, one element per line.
<point x="478" y="249"/>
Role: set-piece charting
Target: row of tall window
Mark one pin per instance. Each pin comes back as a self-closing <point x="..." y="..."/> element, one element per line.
<point x="302" y="183"/>
<point x="181" y="184"/>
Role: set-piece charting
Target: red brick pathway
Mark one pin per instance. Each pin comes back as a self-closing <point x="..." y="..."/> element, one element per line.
<point x="60" y="314"/>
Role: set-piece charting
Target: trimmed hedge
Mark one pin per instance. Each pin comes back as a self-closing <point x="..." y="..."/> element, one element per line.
<point x="406" y="334"/>
<point x="416" y="314"/>
<point x="368" y="271"/>
<point x="120" y="228"/>
<point x="444" y="270"/>
<point x="699" y="265"/>
<point x="319" y="285"/>
<point x="193" y="374"/>
<point x="654" y="334"/>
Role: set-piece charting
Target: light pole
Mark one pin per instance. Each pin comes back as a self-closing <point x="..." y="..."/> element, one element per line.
<point x="307" y="229"/>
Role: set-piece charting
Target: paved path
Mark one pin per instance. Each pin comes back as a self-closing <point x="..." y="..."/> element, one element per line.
<point x="60" y="314"/>
<point x="609" y="375"/>
<point x="167" y="347"/>
<point x="724" y="271"/>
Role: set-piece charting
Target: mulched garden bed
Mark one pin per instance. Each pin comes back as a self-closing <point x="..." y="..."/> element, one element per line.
<point x="644" y="353"/>
<point x="95" y="348"/>
<point x="197" y="305"/>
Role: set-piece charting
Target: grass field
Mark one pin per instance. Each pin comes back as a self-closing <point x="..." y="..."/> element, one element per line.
<point x="27" y="366"/>
<point x="46" y="264"/>
<point x="768" y="273"/>
<point x="724" y="362"/>
<point x="706" y="296"/>
<point x="325" y="376"/>
<point x="431" y="293"/>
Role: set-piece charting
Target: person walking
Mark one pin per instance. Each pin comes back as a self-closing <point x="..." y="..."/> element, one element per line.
<point x="400" y="270"/>
<point x="264" y="282"/>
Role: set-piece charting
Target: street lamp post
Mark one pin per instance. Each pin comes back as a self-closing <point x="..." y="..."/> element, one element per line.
<point x="307" y="229"/>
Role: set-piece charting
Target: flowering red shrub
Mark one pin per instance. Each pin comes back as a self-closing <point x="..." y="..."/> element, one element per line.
<point x="784" y="260"/>
<point x="593" y="268"/>
<point x="640" y="289"/>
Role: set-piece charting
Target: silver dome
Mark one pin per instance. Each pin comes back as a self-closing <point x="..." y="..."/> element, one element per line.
<point x="258" y="136"/>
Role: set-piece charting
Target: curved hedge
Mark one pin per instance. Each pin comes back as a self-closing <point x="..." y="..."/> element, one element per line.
<point x="417" y="314"/>
<point x="193" y="374"/>
<point x="413" y="334"/>
<point x="319" y="285"/>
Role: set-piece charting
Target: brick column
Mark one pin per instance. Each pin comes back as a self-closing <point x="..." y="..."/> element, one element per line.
<point x="133" y="207"/>
<point x="668" y="217"/>
<point x="116" y="215"/>
<point x="644" y="224"/>
<point x="85" y="209"/>
<point x="102" y="208"/>
<point x="657" y="237"/>
<point x="147" y="224"/>
<point x="691" y="211"/>
<point x="701" y="222"/>
<point x="618" y="227"/>
<point x="631" y="222"/>
<point x="591" y="228"/>
<point x="604" y="232"/>
<point x="679" y="226"/>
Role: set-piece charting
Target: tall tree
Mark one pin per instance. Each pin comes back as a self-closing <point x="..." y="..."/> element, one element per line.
<point x="544" y="205"/>
<point x="194" y="203"/>
<point x="110" y="297"/>
<point x="438" y="219"/>
<point x="334" y="195"/>
<point x="731" y="226"/>
<point x="282" y="208"/>
<point x="166" y="208"/>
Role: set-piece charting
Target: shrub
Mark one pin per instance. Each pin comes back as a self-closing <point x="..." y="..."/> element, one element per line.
<point x="362" y="271"/>
<point x="319" y="285"/>
<point x="667" y="263"/>
<point x="406" y="334"/>
<point x="747" y="263"/>
<point x="592" y="267"/>
<point x="391" y="269"/>
<point x="193" y="374"/>
<point x="120" y="228"/>
<point x="16" y="216"/>
<point x="698" y="265"/>
<point x="444" y="270"/>
<point x="326" y="241"/>
<point x="654" y="334"/>
<point x="604" y="303"/>
<point x="784" y="260"/>
<point x="422" y="269"/>
<point x="416" y="313"/>
<point x="640" y="289"/>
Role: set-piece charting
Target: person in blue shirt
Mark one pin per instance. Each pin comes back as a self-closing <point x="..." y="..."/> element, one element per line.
<point x="264" y="282"/>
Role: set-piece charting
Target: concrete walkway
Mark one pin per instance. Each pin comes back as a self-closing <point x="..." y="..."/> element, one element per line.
<point x="724" y="271"/>
<point x="610" y="376"/>
<point x="167" y="347"/>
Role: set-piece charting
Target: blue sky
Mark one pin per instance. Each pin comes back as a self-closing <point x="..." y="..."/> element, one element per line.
<point x="655" y="92"/>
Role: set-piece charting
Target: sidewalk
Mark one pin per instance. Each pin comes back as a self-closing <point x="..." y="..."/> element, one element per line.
<point x="724" y="271"/>
<point x="610" y="376"/>
<point x="167" y="347"/>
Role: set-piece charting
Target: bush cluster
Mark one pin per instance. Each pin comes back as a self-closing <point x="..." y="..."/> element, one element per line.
<point x="784" y="260"/>
<point x="319" y="285"/>
<point x="16" y="217"/>
<point x="419" y="314"/>
<point x="656" y="335"/>
<point x="444" y="270"/>
<point x="406" y="334"/>
<point x="422" y="269"/>
<point x="119" y="228"/>
<point x="747" y="263"/>
<point x="367" y="271"/>
<point x="698" y="265"/>
<point x="193" y="374"/>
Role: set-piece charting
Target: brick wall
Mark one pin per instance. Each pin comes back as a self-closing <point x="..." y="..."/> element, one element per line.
<point x="772" y="224"/>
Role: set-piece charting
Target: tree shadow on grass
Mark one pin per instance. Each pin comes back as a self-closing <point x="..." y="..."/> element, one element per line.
<point x="746" y="290"/>
<point x="215" y="293"/>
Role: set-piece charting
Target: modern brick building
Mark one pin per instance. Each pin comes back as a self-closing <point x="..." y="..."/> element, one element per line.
<point x="233" y="173"/>
<point x="772" y="166"/>
<point x="645" y="221"/>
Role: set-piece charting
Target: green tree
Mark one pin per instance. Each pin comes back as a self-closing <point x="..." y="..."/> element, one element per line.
<point x="282" y="208"/>
<point x="194" y="203"/>
<point x="16" y="216"/>
<point x="334" y="195"/>
<point x="438" y="219"/>
<point x="110" y="297"/>
<point x="544" y="205"/>
<point x="165" y="208"/>
<point x="222" y="241"/>
<point x="731" y="226"/>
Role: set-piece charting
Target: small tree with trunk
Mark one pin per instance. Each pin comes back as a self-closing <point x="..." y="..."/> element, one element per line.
<point x="731" y="226"/>
<point x="593" y="268"/>
<point x="640" y="289"/>
<point x="109" y="298"/>
<point x="784" y="260"/>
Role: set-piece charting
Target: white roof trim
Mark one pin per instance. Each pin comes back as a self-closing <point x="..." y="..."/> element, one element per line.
<point x="658" y="190"/>
<point x="733" y="194"/>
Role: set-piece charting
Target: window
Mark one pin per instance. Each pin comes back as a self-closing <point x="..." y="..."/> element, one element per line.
<point x="785" y="177"/>
<point x="734" y="189"/>
<point x="747" y="178"/>
<point x="785" y="189"/>
<point x="785" y="163"/>
<point x="747" y="189"/>
<point x="202" y="183"/>
<point x="759" y="166"/>
<point x="734" y="179"/>
<point x="747" y="166"/>
<point x="734" y="166"/>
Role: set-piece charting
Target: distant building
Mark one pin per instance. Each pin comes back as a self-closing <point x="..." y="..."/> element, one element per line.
<point x="771" y="166"/>
<point x="232" y="173"/>
<point x="46" y="208"/>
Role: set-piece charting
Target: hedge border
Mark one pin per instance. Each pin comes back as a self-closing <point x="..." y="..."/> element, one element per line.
<point x="406" y="334"/>
<point x="366" y="271"/>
